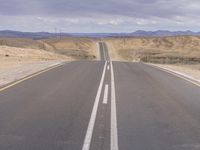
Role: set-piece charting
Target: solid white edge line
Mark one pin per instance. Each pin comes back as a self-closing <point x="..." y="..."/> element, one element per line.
<point x="89" y="132"/>
<point x="175" y="74"/>
<point x="105" y="98"/>
<point x="114" y="134"/>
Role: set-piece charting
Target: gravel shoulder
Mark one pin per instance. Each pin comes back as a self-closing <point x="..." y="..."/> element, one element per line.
<point x="12" y="73"/>
<point x="190" y="71"/>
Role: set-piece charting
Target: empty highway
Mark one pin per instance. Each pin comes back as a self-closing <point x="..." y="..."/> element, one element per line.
<point x="101" y="105"/>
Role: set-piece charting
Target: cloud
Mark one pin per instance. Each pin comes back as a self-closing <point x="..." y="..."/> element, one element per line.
<point x="131" y="8"/>
<point x="105" y="15"/>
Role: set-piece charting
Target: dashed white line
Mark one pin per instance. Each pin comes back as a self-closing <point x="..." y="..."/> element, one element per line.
<point x="108" y="67"/>
<point x="89" y="132"/>
<point x="105" y="98"/>
<point x="114" y="134"/>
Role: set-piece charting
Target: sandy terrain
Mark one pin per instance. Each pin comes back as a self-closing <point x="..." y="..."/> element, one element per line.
<point x="16" y="63"/>
<point x="21" y="42"/>
<point x="20" y="57"/>
<point x="177" y="49"/>
<point x="114" y="52"/>
<point x="76" y="48"/>
<point x="22" y="54"/>
<point x="10" y="72"/>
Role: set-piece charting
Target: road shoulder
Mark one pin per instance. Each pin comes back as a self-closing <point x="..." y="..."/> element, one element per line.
<point x="189" y="73"/>
<point x="16" y="72"/>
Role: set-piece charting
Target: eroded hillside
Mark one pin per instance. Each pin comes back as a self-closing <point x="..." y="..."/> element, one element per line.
<point x="75" y="48"/>
<point x="177" y="49"/>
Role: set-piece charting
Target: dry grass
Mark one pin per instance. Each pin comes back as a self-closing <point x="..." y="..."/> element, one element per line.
<point x="76" y="48"/>
<point x="29" y="54"/>
<point x="177" y="49"/>
<point x="20" y="57"/>
<point x="21" y="43"/>
<point x="170" y="50"/>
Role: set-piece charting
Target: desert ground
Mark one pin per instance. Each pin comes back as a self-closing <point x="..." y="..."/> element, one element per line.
<point x="161" y="50"/>
<point x="75" y="48"/>
<point x="16" y="63"/>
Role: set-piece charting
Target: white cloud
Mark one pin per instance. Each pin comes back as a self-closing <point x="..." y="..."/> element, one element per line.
<point x="114" y="22"/>
<point x="104" y="16"/>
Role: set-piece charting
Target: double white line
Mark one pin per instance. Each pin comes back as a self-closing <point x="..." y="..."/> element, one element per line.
<point x="89" y="132"/>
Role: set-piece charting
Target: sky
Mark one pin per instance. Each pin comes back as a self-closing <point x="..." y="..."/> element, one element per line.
<point x="97" y="16"/>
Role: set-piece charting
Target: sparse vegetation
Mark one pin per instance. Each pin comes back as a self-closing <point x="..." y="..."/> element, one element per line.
<point x="76" y="48"/>
<point x="164" y="50"/>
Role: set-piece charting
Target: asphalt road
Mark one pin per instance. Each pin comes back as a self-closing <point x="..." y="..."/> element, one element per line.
<point x="101" y="105"/>
<point x="104" y="55"/>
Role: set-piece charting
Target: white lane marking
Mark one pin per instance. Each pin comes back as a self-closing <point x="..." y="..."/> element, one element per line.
<point x="105" y="98"/>
<point x="175" y="74"/>
<point x="88" y="136"/>
<point x="108" y="67"/>
<point x="114" y="134"/>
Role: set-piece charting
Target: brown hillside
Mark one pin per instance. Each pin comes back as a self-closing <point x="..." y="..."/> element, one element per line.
<point x="177" y="49"/>
<point x="76" y="48"/>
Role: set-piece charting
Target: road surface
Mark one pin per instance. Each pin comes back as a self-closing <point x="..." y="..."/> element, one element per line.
<point x="101" y="105"/>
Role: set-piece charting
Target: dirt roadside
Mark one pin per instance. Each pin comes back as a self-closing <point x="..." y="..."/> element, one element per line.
<point x="17" y="63"/>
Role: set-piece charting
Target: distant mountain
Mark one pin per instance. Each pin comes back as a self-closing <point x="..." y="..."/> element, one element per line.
<point x="163" y="33"/>
<point x="142" y="33"/>
<point x="139" y="33"/>
<point x="34" y="35"/>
